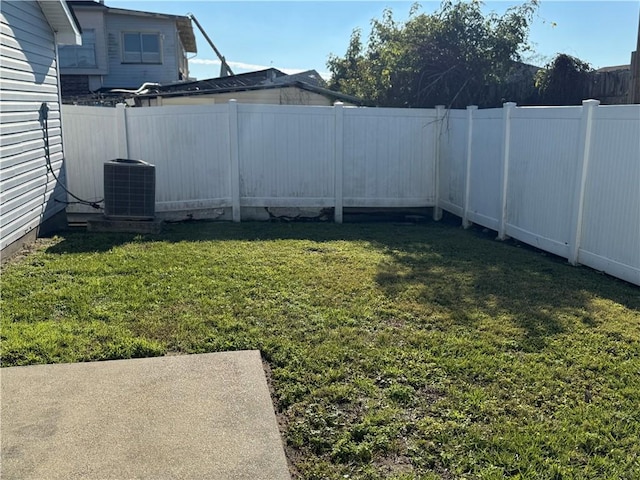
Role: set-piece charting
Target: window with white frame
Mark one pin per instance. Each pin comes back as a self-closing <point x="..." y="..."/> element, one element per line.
<point x="141" y="47"/>
<point x="79" y="56"/>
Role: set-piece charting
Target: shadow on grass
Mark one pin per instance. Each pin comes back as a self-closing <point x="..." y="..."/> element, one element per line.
<point x="472" y="277"/>
<point x="76" y="241"/>
<point x="81" y="241"/>
<point x="465" y="273"/>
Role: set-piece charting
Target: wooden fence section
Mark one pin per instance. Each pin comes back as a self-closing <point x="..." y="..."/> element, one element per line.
<point x="611" y="87"/>
<point x="564" y="179"/>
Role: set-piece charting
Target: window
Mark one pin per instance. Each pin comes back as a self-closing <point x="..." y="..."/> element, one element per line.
<point x="141" y="48"/>
<point x="79" y="56"/>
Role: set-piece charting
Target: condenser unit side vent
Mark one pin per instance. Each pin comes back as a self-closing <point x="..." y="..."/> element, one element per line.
<point x="129" y="189"/>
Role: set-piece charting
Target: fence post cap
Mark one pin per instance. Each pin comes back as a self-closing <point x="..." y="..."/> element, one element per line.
<point x="590" y="102"/>
<point x="509" y="104"/>
<point x="233" y="100"/>
<point x="472" y="107"/>
<point x="338" y="103"/>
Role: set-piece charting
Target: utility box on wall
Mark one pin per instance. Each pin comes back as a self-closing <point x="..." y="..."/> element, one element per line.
<point x="129" y="189"/>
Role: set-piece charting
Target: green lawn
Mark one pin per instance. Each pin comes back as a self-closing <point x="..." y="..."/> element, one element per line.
<point x="396" y="351"/>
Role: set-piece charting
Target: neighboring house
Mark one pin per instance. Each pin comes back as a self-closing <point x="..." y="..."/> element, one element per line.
<point x="270" y="86"/>
<point x="31" y="198"/>
<point x="124" y="49"/>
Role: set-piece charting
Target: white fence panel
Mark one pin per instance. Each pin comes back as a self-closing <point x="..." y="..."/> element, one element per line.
<point x="286" y="155"/>
<point x="486" y="168"/>
<point x="189" y="147"/>
<point x="453" y="154"/>
<point x="389" y="157"/>
<point x="611" y="221"/>
<point x="542" y="176"/>
<point x="90" y="139"/>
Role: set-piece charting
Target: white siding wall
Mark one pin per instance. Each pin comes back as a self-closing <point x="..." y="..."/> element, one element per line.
<point x="29" y="78"/>
<point x="92" y="18"/>
<point x="133" y="75"/>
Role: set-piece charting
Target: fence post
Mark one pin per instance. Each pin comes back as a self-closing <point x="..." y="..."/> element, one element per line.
<point x="506" y="152"/>
<point x="584" y="154"/>
<point x="121" y="131"/>
<point x="338" y="108"/>
<point x="437" y="211"/>
<point x="234" y="159"/>
<point x="467" y="178"/>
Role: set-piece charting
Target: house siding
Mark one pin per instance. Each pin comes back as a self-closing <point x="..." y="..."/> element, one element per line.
<point x="92" y="19"/>
<point x="131" y="75"/>
<point x="29" y="194"/>
<point x="272" y="96"/>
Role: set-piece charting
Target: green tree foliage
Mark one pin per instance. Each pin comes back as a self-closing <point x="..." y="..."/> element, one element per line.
<point x="456" y="56"/>
<point x="563" y="81"/>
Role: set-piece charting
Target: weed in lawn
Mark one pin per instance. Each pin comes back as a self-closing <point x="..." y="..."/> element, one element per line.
<point x="395" y="351"/>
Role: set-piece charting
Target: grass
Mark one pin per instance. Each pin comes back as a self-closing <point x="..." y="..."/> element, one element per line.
<point x="395" y="351"/>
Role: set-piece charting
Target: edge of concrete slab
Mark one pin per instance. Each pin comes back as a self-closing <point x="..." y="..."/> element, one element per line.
<point x="185" y="416"/>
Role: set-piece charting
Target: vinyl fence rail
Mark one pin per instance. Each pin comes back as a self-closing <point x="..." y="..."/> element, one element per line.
<point x="563" y="179"/>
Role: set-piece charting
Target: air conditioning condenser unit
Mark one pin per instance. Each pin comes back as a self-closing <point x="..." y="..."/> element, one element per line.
<point x="129" y="189"/>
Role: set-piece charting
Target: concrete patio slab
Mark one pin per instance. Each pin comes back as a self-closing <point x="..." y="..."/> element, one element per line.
<point x="177" y="417"/>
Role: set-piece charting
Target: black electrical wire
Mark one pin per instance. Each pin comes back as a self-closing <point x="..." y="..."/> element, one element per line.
<point x="44" y="120"/>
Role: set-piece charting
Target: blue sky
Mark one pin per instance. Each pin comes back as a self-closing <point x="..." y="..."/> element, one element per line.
<point x="300" y="35"/>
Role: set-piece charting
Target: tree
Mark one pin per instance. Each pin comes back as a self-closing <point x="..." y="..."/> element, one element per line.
<point x="563" y="81"/>
<point x="455" y="56"/>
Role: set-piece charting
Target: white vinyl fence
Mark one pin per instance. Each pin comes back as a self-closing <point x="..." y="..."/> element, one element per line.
<point x="563" y="179"/>
<point x="239" y="155"/>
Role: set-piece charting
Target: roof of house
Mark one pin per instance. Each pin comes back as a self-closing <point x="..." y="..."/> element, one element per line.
<point x="62" y="21"/>
<point x="310" y="76"/>
<point x="183" y="23"/>
<point x="233" y="81"/>
<point x="86" y="3"/>
<point x="259" y="77"/>
<point x="259" y="80"/>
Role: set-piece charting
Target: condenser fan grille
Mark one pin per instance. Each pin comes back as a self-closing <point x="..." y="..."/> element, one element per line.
<point x="129" y="189"/>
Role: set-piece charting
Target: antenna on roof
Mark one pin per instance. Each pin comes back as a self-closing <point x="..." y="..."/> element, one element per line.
<point x="225" y="69"/>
